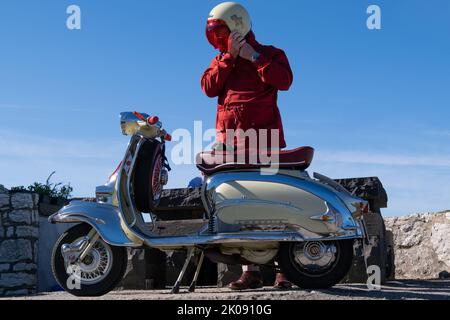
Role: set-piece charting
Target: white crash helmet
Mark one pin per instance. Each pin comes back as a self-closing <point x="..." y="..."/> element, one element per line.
<point x="234" y="15"/>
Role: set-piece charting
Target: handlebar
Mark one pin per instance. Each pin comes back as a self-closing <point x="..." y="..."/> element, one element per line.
<point x="140" y="116"/>
<point x="153" y="121"/>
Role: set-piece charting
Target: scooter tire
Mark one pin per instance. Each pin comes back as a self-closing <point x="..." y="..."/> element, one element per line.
<point x="339" y="269"/>
<point x="144" y="197"/>
<point x="111" y="280"/>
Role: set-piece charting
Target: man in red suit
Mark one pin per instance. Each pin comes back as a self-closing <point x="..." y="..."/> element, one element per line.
<point x="246" y="77"/>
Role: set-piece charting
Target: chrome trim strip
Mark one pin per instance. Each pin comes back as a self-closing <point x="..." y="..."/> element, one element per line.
<point x="330" y="182"/>
<point x="128" y="229"/>
<point x="128" y="187"/>
<point x="190" y="241"/>
<point x="250" y="202"/>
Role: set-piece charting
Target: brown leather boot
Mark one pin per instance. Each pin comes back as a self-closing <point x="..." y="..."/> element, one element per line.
<point x="248" y="280"/>
<point x="282" y="283"/>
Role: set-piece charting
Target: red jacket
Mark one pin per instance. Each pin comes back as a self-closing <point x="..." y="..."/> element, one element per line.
<point x="247" y="92"/>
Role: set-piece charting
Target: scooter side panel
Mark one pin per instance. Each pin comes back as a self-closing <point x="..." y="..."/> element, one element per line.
<point x="246" y="202"/>
<point x="103" y="217"/>
<point x="239" y="196"/>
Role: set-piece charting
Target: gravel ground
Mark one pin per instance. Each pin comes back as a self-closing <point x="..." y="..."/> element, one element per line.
<point x="395" y="290"/>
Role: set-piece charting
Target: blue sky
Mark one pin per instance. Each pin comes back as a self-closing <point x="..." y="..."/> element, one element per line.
<point x="372" y="103"/>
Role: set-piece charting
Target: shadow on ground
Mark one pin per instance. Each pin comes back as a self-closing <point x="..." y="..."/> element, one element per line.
<point x="397" y="290"/>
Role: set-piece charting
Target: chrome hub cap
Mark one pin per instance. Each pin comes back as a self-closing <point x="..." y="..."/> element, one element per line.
<point x="314" y="257"/>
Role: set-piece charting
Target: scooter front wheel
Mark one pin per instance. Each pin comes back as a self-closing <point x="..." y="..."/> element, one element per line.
<point x="97" y="274"/>
<point x="316" y="264"/>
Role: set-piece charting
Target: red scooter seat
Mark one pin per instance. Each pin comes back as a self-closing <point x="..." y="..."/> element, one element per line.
<point x="218" y="161"/>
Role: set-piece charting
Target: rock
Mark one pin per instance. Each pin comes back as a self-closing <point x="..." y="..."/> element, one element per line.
<point x="181" y="198"/>
<point x="178" y="228"/>
<point x="4" y="200"/>
<point x="35" y="217"/>
<point x="421" y="245"/>
<point x="175" y="261"/>
<point x="15" y="250"/>
<point x="411" y="240"/>
<point x="134" y="278"/>
<point x="3" y="189"/>
<point x="11" y="280"/>
<point x="20" y="216"/>
<point x="17" y="293"/>
<point x="35" y="200"/>
<point x="36" y="250"/>
<point x="155" y="269"/>
<point x="27" y="232"/>
<point x="4" y="267"/>
<point x="25" y="267"/>
<point x="46" y="209"/>
<point x="407" y="227"/>
<point x="22" y="201"/>
<point x="440" y="240"/>
<point x="179" y="204"/>
<point x="10" y="232"/>
<point x="145" y="270"/>
<point x="370" y="189"/>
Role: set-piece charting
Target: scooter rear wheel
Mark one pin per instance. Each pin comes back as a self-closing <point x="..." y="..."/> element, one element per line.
<point x="99" y="273"/>
<point x="315" y="264"/>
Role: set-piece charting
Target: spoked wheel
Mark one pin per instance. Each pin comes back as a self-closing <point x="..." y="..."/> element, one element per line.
<point x="97" y="274"/>
<point x="316" y="264"/>
<point x="150" y="176"/>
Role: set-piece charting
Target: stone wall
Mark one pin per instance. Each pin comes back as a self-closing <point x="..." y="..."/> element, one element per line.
<point x="421" y="245"/>
<point x="19" y="234"/>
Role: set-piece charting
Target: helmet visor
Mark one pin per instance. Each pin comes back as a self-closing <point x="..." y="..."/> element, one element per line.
<point x="217" y="33"/>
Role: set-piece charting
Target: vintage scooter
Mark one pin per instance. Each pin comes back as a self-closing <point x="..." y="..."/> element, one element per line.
<point x="305" y="227"/>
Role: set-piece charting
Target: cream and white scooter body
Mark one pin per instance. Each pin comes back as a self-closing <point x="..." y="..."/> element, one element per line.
<point x="289" y="201"/>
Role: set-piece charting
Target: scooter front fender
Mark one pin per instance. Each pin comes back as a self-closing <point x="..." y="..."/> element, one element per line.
<point x="104" y="218"/>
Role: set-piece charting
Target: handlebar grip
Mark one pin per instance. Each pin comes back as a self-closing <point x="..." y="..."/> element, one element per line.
<point x="153" y="120"/>
<point x="150" y="120"/>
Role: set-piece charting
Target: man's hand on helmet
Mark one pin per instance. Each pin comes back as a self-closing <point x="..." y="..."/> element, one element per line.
<point x="247" y="52"/>
<point x="235" y="42"/>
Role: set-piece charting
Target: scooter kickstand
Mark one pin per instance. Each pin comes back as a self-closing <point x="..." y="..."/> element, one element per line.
<point x="176" y="287"/>
<point x="197" y="272"/>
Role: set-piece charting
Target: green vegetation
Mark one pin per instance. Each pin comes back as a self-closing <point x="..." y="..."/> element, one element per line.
<point x="52" y="190"/>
